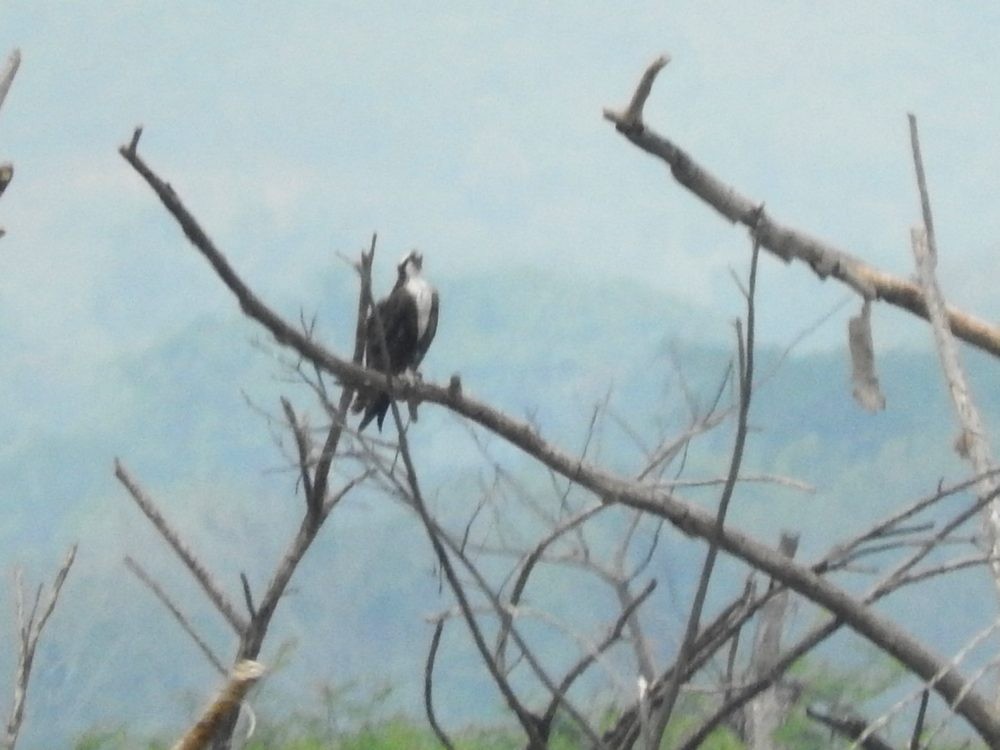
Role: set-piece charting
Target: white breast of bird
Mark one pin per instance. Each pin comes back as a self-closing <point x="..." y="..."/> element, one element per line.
<point x="423" y="296"/>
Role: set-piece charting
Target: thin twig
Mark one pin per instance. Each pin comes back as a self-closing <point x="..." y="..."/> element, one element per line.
<point x="429" y="688"/>
<point x="147" y="580"/>
<point x="918" y="726"/>
<point x="200" y="573"/>
<point x="746" y="348"/>
<point x="29" y="631"/>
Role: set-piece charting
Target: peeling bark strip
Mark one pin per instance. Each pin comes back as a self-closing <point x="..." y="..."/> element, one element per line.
<point x="609" y="488"/>
<point x="859" y="338"/>
<point x="785" y="242"/>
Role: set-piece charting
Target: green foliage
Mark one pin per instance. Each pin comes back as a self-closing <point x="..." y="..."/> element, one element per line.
<point x="114" y="739"/>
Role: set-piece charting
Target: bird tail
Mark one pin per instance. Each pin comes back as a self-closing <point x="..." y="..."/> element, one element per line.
<point x="374" y="408"/>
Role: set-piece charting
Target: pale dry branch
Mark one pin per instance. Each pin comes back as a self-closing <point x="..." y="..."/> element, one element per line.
<point x="8" y="73"/>
<point x="850" y="727"/>
<point x="776" y="479"/>
<point x="974" y="444"/>
<point x="147" y="580"/>
<point x="244" y="676"/>
<point x="958" y="658"/>
<point x="767" y="712"/>
<point x="194" y="566"/>
<point x="29" y="631"/>
<point x="788" y="243"/>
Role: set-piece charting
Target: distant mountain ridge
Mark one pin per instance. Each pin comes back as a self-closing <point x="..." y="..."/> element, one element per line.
<point x="530" y="343"/>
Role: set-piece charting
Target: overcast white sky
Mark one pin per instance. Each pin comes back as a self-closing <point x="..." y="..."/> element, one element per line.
<point x="474" y="132"/>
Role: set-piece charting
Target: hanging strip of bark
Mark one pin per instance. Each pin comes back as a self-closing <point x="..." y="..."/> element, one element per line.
<point x="859" y="337"/>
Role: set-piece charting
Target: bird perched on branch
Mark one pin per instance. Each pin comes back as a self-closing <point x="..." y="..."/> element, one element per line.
<point x="408" y="318"/>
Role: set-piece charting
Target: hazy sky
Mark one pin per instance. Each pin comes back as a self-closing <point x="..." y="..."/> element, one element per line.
<point x="474" y="132"/>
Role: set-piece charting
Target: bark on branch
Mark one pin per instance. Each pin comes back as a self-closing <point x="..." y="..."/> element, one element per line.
<point x="783" y="241"/>
<point x="245" y="675"/>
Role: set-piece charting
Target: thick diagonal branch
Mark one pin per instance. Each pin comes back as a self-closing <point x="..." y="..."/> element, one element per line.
<point x="784" y="241"/>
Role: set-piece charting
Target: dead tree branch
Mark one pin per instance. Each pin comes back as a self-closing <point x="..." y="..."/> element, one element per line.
<point x="199" y="571"/>
<point x="610" y="488"/>
<point x="29" y="630"/>
<point x="8" y="73"/>
<point x="973" y="443"/>
<point x="245" y="675"/>
<point x="660" y="718"/>
<point x="850" y="727"/>
<point x="147" y="580"/>
<point x="783" y="241"/>
<point x="766" y="712"/>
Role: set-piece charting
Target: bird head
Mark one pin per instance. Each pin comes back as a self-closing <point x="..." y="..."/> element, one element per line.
<point x="410" y="265"/>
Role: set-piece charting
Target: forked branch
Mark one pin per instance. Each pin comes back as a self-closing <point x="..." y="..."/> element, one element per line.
<point x="29" y="629"/>
<point x="783" y="241"/>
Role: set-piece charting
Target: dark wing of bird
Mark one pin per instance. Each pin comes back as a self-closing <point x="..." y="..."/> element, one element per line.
<point x="399" y="328"/>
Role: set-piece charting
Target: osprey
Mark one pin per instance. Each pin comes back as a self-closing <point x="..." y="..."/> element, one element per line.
<point x="409" y="317"/>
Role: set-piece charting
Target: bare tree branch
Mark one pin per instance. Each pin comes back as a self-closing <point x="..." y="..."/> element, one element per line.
<point x="918" y="726"/>
<point x="147" y="580"/>
<point x="746" y="356"/>
<point x="974" y="442"/>
<point x="766" y="713"/>
<point x="245" y="675"/>
<point x="429" y="688"/>
<point x="301" y="435"/>
<point x="29" y="631"/>
<point x="848" y="726"/>
<point x="785" y="242"/>
<point x="8" y="73"/>
<point x="614" y="633"/>
<point x="200" y="573"/>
